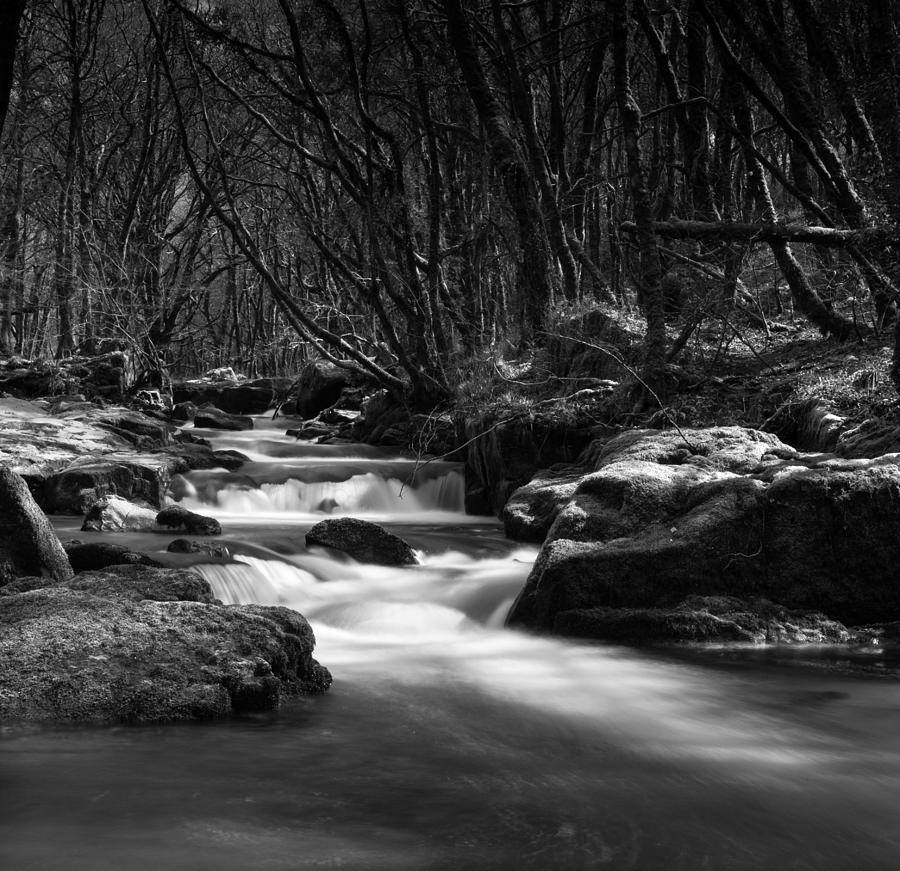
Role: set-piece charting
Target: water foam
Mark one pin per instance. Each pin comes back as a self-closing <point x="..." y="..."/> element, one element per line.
<point x="367" y="495"/>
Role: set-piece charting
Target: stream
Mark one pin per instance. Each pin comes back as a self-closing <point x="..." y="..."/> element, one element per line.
<point x="447" y="741"/>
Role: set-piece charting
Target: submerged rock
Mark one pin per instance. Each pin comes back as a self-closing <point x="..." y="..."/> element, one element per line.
<point x="177" y="517"/>
<point x="184" y="545"/>
<point x="363" y="541"/>
<point x="132" y="644"/>
<point x="214" y="418"/>
<point x="93" y="555"/>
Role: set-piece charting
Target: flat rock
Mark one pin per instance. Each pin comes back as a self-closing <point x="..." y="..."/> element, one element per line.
<point x="250" y="397"/>
<point x="31" y="437"/>
<point x="185" y="545"/>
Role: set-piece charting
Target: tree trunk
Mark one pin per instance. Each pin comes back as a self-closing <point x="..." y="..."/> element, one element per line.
<point x="804" y="295"/>
<point x="10" y="15"/>
<point x="533" y="267"/>
<point x="650" y="273"/>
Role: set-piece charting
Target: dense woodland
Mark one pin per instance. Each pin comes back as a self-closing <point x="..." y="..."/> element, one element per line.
<point x="411" y="187"/>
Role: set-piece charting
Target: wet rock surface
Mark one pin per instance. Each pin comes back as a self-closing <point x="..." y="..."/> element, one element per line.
<point x="363" y="541"/>
<point x="93" y="555"/>
<point x="705" y="619"/>
<point x="214" y="418"/>
<point x="178" y="518"/>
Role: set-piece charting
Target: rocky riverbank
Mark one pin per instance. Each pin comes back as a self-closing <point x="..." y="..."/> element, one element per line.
<point x="97" y="632"/>
<point x="712" y="534"/>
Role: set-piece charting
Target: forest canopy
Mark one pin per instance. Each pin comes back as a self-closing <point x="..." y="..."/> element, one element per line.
<point x="405" y="187"/>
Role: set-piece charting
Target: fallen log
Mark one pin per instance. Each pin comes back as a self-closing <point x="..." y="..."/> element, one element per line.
<point x="725" y="231"/>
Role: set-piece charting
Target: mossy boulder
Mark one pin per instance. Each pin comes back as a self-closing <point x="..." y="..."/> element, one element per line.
<point x="132" y="644"/>
<point x="531" y="509"/>
<point x="720" y="512"/>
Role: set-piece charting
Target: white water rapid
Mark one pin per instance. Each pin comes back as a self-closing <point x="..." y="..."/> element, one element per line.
<point x="447" y="741"/>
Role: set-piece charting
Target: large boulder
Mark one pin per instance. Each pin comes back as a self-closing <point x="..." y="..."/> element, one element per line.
<point x="722" y="512"/>
<point x="384" y="420"/>
<point x="227" y="393"/>
<point x="143" y="478"/>
<point x="319" y="386"/>
<point x="250" y="398"/>
<point x="132" y="644"/>
<point x="363" y="541"/>
<point x="28" y="544"/>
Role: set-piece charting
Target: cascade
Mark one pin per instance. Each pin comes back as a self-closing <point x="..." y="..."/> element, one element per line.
<point x="447" y="741"/>
<point x="364" y="495"/>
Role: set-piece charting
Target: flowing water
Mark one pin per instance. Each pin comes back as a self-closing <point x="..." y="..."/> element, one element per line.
<point x="446" y="741"/>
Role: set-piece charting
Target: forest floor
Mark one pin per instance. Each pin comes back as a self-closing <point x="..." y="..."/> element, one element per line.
<point x="739" y="376"/>
<point x="760" y="373"/>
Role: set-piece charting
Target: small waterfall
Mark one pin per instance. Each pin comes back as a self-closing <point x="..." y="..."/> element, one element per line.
<point x="448" y="593"/>
<point x="250" y="580"/>
<point x="368" y="494"/>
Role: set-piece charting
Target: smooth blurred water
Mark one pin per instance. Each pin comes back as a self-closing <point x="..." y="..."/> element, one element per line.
<point x="447" y="742"/>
